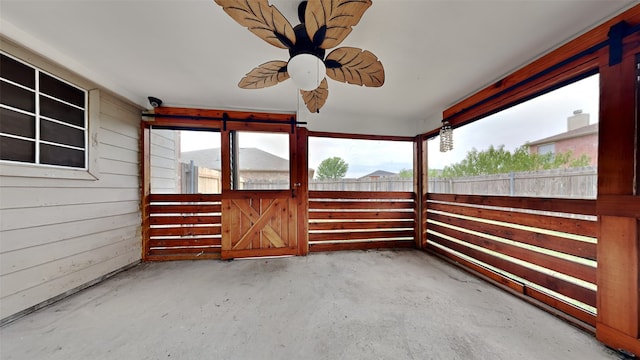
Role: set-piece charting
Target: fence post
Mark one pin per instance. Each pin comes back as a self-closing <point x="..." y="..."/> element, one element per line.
<point x="512" y="183"/>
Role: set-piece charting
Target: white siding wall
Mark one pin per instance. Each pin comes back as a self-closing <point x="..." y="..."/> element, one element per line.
<point x="61" y="229"/>
<point x="165" y="170"/>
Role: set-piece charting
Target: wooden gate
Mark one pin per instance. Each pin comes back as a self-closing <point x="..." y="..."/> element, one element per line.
<point x="258" y="223"/>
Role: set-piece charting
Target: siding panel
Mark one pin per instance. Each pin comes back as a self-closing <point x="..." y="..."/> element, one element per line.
<point x="57" y="233"/>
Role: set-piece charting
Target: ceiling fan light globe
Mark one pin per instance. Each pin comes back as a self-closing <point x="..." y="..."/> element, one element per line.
<point x="307" y="71"/>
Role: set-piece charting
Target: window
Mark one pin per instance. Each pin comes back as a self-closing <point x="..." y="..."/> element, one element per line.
<point x="259" y="160"/>
<point x="546" y="146"/>
<point x="343" y="164"/>
<point x="546" y="149"/>
<point x="43" y="120"/>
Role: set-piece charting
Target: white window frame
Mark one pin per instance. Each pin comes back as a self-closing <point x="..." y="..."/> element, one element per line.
<point x="92" y="123"/>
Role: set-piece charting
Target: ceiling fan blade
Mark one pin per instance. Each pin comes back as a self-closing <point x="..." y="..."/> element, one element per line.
<point x="262" y="19"/>
<point x="329" y="22"/>
<point x="355" y="66"/>
<point x="315" y="99"/>
<point x="265" y="75"/>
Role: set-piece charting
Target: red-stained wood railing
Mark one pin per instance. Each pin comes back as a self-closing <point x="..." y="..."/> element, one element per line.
<point x="183" y="227"/>
<point x="544" y="248"/>
<point x="354" y="220"/>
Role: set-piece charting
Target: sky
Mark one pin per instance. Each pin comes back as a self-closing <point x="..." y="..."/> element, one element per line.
<point x="538" y="118"/>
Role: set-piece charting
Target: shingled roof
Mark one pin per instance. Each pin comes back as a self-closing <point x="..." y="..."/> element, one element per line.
<point x="251" y="159"/>
<point x="579" y="132"/>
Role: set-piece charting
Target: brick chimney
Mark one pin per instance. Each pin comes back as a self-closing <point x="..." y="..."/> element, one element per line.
<point x="578" y="120"/>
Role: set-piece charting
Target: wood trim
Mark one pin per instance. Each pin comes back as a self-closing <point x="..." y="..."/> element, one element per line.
<point x="617" y="339"/>
<point x="238" y="254"/>
<point x="575" y="316"/>
<point x="566" y="51"/>
<point x="351" y="205"/>
<point x="362" y="245"/>
<point x="619" y="205"/>
<point x="546" y="241"/>
<point x="359" y="225"/>
<point x="419" y="179"/>
<point x="360" y="136"/>
<point x="185" y="197"/>
<point x="568" y="225"/>
<point x="302" y="191"/>
<point x="560" y="286"/>
<point x="367" y="195"/>
<point x="576" y="270"/>
<point x="328" y="215"/>
<point x="360" y="235"/>
<point x="569" y="206"/>
<point x="145" y="186"/>
<point x="252" y="194"/>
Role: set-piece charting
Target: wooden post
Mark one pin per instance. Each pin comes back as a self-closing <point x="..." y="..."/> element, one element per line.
<point x="145" y="186"/>
<point x="618" y="205"/>
<point x="302" y="188"/>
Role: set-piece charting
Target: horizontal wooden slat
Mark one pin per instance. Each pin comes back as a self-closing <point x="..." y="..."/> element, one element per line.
<point x="184" y="219"/>
<point x="184" y="242"/>
<point x="174" y="257"/>
<point x="560" y="286"/>
<point x="353" y="235"/>
<point x="562" y="306"/>
<point x="256" y="194"/>
<point x="350" y="205"/>
<point x="189" y="250"/>
<point x="260" y="252"/>
<point x="181" y="209"/>
<point x="185" y="231"/>
<point x="360" y="195"/>
<point x="569" y="206"/>
<point x="546" y="241"/>
<point x="576" y="270"/>
<point x="355" y="215"/>
<point x="555" y="223"/>
<point x="362" y="245"/>
<point x="344" y="225"/>
<point x="185" y="198"/>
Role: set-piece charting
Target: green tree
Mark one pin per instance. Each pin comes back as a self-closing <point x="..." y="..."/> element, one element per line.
<point x="497" y="160"/>
<point x="332" y="168"/>
<point x="406" y="174"/>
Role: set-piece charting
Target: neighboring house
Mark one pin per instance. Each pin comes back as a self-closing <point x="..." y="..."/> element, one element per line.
<point x="580" y="138"/>
<point x="255" y="164"/>
<point x="378" y="174"/>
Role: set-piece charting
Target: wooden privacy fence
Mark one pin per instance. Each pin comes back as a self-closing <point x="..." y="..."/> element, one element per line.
<point x="563" y="183"/>
<point x="544" y="248"/>
<point x="183" y="226"/>
<point x="344" y="220"/>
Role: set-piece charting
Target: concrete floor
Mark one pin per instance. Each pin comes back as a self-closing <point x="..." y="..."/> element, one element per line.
<point x="344" y="305"/>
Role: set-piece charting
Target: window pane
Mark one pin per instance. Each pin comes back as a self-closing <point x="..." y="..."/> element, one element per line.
<point x="61" y="90"/>
<point x="61" y="134"/>
<point x="544" y="147"/>
<point x="185" y="162"/>
<point x="15" y="123"/>
<point x="61" y="112"/>
<point x="56" y="155"/>
<point x="360" y="165"/>
<point x="17" y="72"/>
<point x="17" y="97"/>
<point x="263" y="160"/>
<point x="17" y="149"/>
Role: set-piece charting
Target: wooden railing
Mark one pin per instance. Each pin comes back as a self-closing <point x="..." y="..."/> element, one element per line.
<point x="183" y="226"/>
<point x="350" y="220"/>
<point x="544" y="248"/>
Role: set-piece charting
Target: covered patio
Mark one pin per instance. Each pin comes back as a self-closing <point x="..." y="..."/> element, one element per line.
<point x="388" y="304"/>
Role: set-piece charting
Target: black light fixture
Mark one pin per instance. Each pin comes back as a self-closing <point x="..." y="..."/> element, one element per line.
<point x="154" y="102"/>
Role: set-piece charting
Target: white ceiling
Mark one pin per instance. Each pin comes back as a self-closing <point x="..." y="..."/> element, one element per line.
<point x="191" y="53"/>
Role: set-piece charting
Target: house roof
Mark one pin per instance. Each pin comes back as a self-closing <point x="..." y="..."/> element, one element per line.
<point x="251" y="159"/>
<point x="192" y="54"/>
<point x="579" y="132"/>
<point x="380" y="173"/>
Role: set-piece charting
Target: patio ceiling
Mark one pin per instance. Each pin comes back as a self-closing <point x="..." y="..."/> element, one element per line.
<point x="190" y="53"/>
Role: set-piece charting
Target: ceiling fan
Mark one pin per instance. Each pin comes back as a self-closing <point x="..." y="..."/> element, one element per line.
<point x="324" y="24"/>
